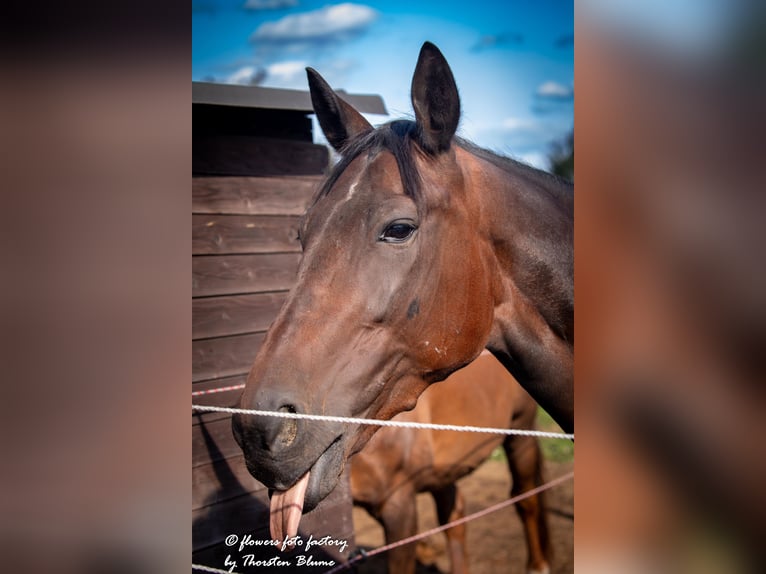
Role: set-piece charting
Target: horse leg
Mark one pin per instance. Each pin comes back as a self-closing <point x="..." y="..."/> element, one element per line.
<point x="525" y="464"/>
<point x="400" y="520"/>
<point x="450" y="507"/>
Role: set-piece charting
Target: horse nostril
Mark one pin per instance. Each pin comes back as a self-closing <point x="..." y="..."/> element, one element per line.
<point x="289" y="429"/>
<point x="266" y="434"/>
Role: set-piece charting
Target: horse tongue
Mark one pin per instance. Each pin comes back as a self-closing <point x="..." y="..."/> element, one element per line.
<point x="286" y="509"/>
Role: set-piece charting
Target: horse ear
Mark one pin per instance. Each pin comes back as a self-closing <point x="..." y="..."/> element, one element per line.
<point x="339" y="120"/>
<point x="435" y="99"/>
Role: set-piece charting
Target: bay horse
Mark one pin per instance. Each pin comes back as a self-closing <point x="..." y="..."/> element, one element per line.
<point x="419" y="250"/>
<point x="397" y="463"/>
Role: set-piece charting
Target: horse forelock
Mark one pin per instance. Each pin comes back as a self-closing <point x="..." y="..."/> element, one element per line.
<point x="396" y="137"/>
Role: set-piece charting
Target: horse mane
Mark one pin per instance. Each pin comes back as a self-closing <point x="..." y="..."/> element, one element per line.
<point x="557" y="186"/>
<point x="397" y="137"/>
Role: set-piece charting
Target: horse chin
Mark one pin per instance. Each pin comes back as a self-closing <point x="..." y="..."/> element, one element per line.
<point x="325" y="473"/>
<point x="287" y="505"/>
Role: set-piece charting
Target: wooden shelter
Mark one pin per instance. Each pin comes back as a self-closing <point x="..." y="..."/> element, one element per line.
<point x="255" y="168"/>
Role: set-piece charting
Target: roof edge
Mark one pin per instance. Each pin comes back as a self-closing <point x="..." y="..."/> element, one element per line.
<point x="275" y="98"/>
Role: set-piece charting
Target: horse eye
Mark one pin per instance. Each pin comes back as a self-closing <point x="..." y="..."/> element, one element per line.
<point x="398" y="232"/>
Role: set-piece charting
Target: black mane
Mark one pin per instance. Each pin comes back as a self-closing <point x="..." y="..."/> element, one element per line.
<point x="399" y="136"/>
<point x="558" y="186"/>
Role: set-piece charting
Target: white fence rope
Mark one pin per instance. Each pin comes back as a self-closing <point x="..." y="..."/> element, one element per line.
<point x="382" y="423"/>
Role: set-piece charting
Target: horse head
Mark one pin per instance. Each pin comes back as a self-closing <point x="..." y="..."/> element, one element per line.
<point x="399" y="286"/>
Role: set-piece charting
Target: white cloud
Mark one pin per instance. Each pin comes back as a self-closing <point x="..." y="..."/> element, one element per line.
<point x="287" y="74"/>
<point x="269" y="4"/>
<point x="243" y="75"/>
<point x="535" y="159"/>
<point x="554" y="90"/>
<point x="525" y="138"/>
<point x="322" y="24"/>
<point x="525" y="125"/>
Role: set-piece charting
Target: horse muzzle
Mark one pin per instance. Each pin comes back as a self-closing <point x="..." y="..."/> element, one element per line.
<point x="280" y="451"/>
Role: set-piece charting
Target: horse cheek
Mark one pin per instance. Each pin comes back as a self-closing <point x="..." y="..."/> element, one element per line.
<point x="455" y="326"/>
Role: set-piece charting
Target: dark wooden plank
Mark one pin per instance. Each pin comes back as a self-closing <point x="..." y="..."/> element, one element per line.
<point x="249" y="514"/>
<point x="211" y="524"/>
<point x="220" y="399"/>
<point x="255" y="156"/>
<point x="234" y="314"/>
<point x="237" y="274"/>
<point x="200" y="417"/>
<point x="218" y="383"/>
<point x="224" y="357"/>
<point x="212" y="442"/>
<point x="253" y="195"/>
<point x="210" y="119"/>
<point x="215" y="556"/>
<point x="218" y="234"/>
<point x="222" y="480"/>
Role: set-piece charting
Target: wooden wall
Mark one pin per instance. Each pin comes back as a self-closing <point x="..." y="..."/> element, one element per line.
<point x="245" y="252"/>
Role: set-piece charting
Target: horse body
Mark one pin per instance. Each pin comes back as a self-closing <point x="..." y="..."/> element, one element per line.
<point x="397" y="463"/>
<point x="418" y="252"/>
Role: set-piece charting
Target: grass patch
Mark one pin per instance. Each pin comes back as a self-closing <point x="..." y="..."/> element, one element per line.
<point x="557" y="449"/>
<point x="553" y="449"/>
<point x="498" y="454"/>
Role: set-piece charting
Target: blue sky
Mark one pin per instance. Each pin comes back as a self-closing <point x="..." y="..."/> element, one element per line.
<point x="513" y="61"/>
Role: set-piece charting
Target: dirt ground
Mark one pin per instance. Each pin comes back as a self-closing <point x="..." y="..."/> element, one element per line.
<point x="495" y="542"/>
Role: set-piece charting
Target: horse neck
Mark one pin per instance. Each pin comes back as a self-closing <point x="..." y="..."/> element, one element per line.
<point x="527" y="219"/>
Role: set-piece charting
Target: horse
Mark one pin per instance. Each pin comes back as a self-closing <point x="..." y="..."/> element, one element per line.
<point x="397" y="463"/>
<point x="419" y="250"/>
